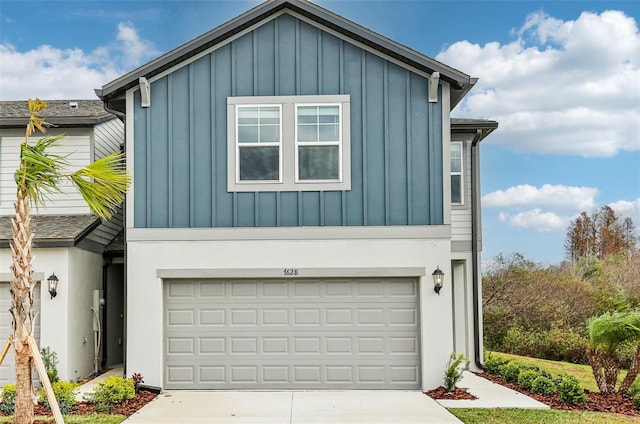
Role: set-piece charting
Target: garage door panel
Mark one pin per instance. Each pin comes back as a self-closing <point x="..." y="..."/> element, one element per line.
<point x="320" y="334"/>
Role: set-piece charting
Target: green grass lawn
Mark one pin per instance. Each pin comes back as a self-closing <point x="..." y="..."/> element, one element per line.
<point x="79" y="419"/>
<point x="582" y="372"/>
<point x="531" y="416"/>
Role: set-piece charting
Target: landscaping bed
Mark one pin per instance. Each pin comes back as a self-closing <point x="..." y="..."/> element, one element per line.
<point x="126" y="407"/>
<point x="597" y="402"/>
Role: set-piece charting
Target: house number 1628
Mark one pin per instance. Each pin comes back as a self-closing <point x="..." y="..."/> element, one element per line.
<point x="288" y="272"/>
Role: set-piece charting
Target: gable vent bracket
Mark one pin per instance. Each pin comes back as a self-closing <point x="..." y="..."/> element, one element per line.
<point x="145" y="92"/>
<point x="434" y="81"/>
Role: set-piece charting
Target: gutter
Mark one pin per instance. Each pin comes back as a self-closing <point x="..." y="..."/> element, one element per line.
<point x="475" y="211"/>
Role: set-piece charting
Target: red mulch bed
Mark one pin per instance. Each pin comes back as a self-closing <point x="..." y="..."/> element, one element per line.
<point x="597" y="402"/>
<point x="460" y="393"/>
<point x="128" y="407"/>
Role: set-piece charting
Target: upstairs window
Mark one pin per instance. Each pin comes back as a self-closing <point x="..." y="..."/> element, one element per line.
<point x="456" y="173"/>
<point x="288" y="143"/>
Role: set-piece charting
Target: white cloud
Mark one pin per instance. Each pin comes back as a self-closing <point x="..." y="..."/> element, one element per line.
<point x="568" y="198"/>
<point x="564" y="87"/>
<point x="630" y="209"/>
<point x="51" y="73"/>
<point x="537" y="220"/>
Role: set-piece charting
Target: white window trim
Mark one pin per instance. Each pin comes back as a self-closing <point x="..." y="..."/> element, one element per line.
<point x="277" y="144"/>
<point x="461" y="173"/>
<point x="288" y="144"/>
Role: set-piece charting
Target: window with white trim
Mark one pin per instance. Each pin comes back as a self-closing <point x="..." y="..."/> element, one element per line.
<point x="288" y="143"/>
<point x="457" y="188"/>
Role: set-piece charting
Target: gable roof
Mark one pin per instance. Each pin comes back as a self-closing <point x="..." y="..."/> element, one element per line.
<point x="465" y="125"/>
<point x="67" y="113"/>
<point x="113" y="93"/>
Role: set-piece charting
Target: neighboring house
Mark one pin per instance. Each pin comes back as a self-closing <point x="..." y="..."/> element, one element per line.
<point x="84" y="253"/>
<point x="297" y="179"/>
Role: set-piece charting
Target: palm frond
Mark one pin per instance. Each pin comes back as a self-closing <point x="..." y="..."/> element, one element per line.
<point x="609" y="330"/>
<point x="103" y="184"/>
<point x="40" y="171"/>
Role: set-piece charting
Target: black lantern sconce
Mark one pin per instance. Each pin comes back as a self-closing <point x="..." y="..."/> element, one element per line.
<point x="53" y="285"/>
<point x="438" y="280"/>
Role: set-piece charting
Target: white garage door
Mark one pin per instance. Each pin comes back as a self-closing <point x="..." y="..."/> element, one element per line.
<point x="293" y="334"/>
<point x="7" y="369"/>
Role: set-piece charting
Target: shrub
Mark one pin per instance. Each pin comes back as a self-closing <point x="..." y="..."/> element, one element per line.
<point x="636" y="401"/>
<point x="526" y="377"/>
<point x="8" y="399"/>
<point x="64" y="391"/>
<point x="454" y="371"/>
<point x="137" y="380"/>
<point x="50" y="359"/>
<point x="493" y="364"/>
<point x="511" y="371"/>
<point x="564" y="344"/>
<point x="570" y="390"/>
<point x="111" y="392"/>
<point x="634" y="389"/>
<point x="543" y="385"/>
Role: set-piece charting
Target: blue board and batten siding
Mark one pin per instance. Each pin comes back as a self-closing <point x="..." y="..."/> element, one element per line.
<point x="180" y="142"/>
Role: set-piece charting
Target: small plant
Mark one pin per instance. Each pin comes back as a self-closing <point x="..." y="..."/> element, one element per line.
<point x="8" y="399"/>
<point x="50" y="359"/>
<point x="454" y="371"/>
<point x="511" y="371"/>
<point x="570" y="390"/>
<point x="526" y="377"/>
<point x="493" y="364"/>
<point x="636" y="401"/>
<point x="111" y="392"/>
<point x="542" y="385"/>
<point x="137" y="380"/>
<point x="64" y="391"/>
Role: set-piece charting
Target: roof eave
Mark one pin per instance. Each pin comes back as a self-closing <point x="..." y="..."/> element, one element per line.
<point x="460" y="82"/>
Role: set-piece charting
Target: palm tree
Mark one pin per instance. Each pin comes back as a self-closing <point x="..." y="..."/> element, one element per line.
<point x="102" y="184"/>
<point x="607" y="333"/>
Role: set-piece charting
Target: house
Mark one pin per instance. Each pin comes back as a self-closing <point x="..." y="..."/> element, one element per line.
<point x="297" y="180"/>
<point x="84" y="253"/>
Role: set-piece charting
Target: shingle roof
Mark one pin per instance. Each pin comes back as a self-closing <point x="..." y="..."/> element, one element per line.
<point x="113" y="92"/>
<point x="463" y="125"/>
<point x="58" y="230"/>
<point x="58" y="112"/>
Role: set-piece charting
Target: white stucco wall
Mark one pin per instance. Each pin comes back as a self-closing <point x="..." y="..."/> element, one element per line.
<point x="144" y="291"/>
<point x="65" y="320"/>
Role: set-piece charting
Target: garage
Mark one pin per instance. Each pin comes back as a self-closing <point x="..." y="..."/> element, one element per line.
<point x="7" y="369"/>
<point x="291" y="334"/>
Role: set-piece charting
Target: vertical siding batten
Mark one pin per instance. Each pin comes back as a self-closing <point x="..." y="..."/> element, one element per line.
<point x="385" y="126"/>
<point x="192" y="165"/>
<point x="409" y="154"/>
<point x="363" y="124"/>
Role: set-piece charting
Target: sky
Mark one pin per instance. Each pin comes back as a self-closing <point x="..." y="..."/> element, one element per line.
<point x="562" y="78"/>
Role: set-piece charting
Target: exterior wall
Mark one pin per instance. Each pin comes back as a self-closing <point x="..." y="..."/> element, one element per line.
<point x="108" y="137"/>
<point x="85" y="276"/>
<point x="268" y="252"/>
<point x="76" y="145"/>
<point x="65" y="320"/>
<point x="178" y="145"/>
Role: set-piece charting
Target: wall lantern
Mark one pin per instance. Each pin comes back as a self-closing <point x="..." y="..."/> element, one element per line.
<point x="438" y="279"/>
<point x="53" y="285"/>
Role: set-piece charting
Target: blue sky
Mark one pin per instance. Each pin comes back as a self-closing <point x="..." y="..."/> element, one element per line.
<point x="561" y="77"/>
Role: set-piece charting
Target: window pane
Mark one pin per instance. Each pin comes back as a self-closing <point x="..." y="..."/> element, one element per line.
<point x="456" y="157"/>
<point x="456" y="189"/>
<point x="248" y="134"/>
<point x="259" y="163"/>
<point x="307" y="114"/>
<point x="328" y="114"/>
<point x="248" y="115"/>
<point x="318" y="163"/>
<point x="329" y="132"/>
<point x="270" y="133"/>
<point x="307" y="133"/>
<point x="269" y="115"/>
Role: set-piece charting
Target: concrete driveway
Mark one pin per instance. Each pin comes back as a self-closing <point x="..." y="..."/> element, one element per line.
<point x="358" y="406"/>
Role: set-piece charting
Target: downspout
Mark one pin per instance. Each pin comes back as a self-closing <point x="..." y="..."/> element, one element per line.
<point x="475" y="211"/>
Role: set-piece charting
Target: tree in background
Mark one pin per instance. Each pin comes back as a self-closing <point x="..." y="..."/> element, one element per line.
<point x="102" y="184"/>
<point x="600" y="235"/>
